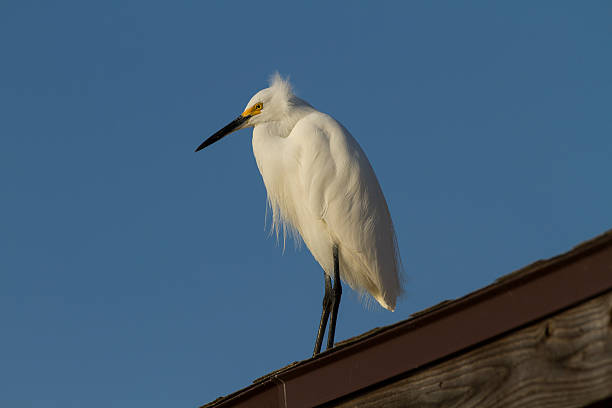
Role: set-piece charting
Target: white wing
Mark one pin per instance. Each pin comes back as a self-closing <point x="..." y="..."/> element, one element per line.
<point x="342" y="204"/>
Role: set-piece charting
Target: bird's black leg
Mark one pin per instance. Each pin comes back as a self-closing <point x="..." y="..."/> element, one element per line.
<point x="335" y="299"/>
<point x="327" y="302"/>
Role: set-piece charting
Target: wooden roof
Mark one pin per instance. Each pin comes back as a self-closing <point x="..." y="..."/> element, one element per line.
<point x="442" y="332"/>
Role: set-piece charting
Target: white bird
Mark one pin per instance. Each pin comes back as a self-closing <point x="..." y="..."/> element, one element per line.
<point x="321" y="185"/>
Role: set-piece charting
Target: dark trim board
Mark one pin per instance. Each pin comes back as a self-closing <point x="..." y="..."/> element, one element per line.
<point x="563" y="361"/>
<point x="513" y="302"/>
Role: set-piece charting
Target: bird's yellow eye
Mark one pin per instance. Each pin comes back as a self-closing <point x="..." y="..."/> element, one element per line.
<point x="253" y="110"/>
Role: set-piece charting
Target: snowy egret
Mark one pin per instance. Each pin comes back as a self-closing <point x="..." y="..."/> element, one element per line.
<point x="321" y="185"/>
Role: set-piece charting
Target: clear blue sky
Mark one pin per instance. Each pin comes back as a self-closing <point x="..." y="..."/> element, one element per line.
<point x="135" y="272"/>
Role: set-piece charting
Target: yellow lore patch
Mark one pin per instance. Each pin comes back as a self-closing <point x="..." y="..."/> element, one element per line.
<point x="253" y="110"/>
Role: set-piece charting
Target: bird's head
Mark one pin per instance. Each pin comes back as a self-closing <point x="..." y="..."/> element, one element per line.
<point x="268" y="105"/>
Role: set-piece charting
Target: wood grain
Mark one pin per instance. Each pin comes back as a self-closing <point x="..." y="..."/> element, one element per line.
<point x="563" y="361"/>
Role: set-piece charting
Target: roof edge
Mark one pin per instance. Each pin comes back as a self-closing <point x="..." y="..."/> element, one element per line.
<point x="532" y="291"/>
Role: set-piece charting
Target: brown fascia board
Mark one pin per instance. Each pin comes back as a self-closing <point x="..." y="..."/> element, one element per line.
<point x="514" y="300"/>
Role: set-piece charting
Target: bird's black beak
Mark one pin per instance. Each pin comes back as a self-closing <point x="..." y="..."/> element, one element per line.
<point x="231" y="127"/>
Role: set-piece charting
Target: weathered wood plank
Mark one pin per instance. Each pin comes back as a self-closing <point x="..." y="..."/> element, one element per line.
<point x="564" y="361"/>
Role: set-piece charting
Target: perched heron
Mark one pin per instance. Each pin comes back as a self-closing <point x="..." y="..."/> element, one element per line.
<point x="321" y="184"/>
